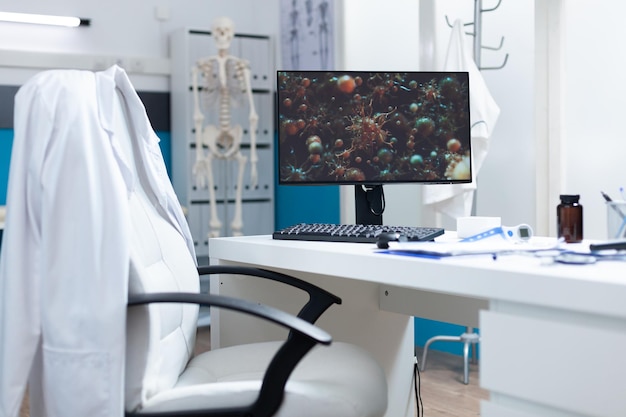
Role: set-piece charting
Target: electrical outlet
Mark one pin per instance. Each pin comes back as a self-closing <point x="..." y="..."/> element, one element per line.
<point x="100" y="63"/>
<point x="121" y="62"/>
<point x="162" y="13"/>
<point x="136" y="65"/>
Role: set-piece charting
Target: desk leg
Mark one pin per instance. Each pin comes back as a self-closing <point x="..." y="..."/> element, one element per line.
<point x="359" y="320"/>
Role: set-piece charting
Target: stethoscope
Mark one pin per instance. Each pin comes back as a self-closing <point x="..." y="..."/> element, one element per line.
<point x="581" y="258"/>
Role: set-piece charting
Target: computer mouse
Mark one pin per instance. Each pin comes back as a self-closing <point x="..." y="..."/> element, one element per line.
<point x="384" y="238"/>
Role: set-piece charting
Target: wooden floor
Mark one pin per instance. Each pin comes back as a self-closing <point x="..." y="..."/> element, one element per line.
<point x="442" y="389"/>
<point x="441" y="384"/>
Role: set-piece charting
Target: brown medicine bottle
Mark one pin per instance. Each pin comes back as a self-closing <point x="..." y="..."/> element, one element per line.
<point x="569" y="218"/>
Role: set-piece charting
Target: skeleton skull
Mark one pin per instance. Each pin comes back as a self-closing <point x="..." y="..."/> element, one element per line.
<point x="223" y="30"/>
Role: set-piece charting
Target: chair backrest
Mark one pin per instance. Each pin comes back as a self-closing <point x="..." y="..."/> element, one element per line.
<point x="160" y="337"/>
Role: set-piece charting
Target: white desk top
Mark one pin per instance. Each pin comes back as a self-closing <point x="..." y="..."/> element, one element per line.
<point x="596" y="288"/>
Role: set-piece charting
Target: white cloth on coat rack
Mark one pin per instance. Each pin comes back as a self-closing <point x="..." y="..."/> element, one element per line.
<point x="456" y="200"/>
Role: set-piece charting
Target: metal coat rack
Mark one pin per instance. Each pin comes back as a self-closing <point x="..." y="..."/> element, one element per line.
<point x="477" y="34"/>
<point x="469" y="338"/>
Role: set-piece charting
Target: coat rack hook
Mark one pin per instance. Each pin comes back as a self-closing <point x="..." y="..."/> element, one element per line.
<point x="464" y="24"/>
<point x="493" y="8"/>
<point x="477" y="34"/>
<point x="506" y="58"/>
<point x="495" y="48"/>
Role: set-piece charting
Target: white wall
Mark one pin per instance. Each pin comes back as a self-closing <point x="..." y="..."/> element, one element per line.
<point x="561" y="96"/>
<point x="579" y="107"/>
<point x="594" y="97"/>
<point x="121" y="29"/>
<point x="562" y="101"/>
<point x="504" y="189"/>
<point x="390" y="38"/>
<point x="590" y="91"/>
<point x="383" y="38"/>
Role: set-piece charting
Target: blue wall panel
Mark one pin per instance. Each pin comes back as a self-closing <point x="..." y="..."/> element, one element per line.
<point x="6" y="143"/>
<point x="425" y="329"/>
<point x="306" y="204"/>
<point x="166" y="149"/>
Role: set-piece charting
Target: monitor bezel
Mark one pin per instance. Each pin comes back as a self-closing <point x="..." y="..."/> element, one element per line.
<point x="371" y="182"/>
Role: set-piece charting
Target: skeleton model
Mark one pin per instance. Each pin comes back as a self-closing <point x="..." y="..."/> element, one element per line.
<point x="226" y="82"/>
<point x="323" y="33"/>
<point x="293" y="37"/>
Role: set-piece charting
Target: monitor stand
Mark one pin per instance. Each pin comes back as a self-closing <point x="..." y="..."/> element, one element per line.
<point x="370" y="204"/>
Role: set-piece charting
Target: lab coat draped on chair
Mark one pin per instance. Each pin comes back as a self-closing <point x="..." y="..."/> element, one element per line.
<point x="62" y="316"/>
<point x="99" y="286"/>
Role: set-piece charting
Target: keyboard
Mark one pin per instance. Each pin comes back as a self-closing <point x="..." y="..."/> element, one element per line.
<point x="358" y="233"/>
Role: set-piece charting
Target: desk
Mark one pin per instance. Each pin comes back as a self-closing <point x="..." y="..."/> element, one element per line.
<point x="553" y="337"/>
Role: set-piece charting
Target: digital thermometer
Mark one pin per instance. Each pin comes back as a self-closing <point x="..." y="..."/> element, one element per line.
<point x="519" y="233"/>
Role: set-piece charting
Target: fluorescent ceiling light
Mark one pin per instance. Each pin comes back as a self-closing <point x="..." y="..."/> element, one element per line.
<point x="42" y="19"/>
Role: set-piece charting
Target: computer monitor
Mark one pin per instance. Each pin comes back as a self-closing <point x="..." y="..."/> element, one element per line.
<point x="369" y="129"/>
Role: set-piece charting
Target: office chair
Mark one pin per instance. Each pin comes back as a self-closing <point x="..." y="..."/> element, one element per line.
<point x="261" y="379"/>
<point x="305" y="375"/>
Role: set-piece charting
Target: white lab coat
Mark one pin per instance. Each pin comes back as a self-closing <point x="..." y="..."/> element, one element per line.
<point x="456" y="200"/>
<point x="65" y="252"/>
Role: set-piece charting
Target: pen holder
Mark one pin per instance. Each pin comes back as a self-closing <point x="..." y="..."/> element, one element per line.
<point x="616" y="219"/>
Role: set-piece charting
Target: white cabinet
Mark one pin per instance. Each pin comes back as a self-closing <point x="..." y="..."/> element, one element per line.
<point x="583" y="353"/>
<point x="186" y="47"/>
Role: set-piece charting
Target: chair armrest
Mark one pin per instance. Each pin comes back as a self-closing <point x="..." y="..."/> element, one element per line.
<point x="319" y="299"/>
<point x="259" y="310"/>
<point x="302" y="338"/>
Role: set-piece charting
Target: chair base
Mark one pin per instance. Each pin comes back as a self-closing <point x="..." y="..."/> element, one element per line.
<point x="468" y="338"/>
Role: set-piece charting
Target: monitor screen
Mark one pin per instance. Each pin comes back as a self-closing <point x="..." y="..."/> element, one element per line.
<point x="373" y="128"/>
